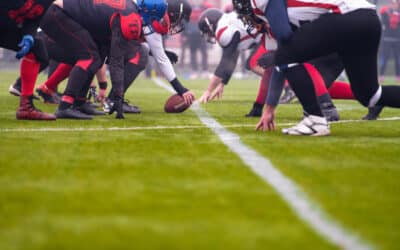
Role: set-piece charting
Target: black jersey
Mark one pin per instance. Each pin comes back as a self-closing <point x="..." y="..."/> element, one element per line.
<point x="95" y="15"/>
<point x="22" y="14"/>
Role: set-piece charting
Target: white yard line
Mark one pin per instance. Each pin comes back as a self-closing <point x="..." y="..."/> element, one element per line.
<point x="306" y="209"/>
<point x="80" y="129"/>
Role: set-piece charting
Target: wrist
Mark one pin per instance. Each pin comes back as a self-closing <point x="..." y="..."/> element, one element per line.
<point x="178" y="87"/>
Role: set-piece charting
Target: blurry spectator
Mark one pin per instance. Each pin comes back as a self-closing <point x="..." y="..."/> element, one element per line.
<point x="194" y="40"/>
<point x="390" y="46"/>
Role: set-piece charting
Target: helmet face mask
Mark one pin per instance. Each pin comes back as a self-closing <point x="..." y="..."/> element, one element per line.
<point x="209" y="32"/>
<point x="179" y="12"/>
<point x="208" y="22"/>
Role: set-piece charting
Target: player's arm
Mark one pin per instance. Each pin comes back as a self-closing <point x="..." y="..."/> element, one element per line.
<point x="119" y="46"/>
<point x="277" y="16"/>
<point x="157" y="50"/>
<point x="267" y="120"/>
<point x="224" y="70"/>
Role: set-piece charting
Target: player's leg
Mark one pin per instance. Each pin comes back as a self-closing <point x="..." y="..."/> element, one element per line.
<point x="29" y="70"/>
<point x="77" y="41"/>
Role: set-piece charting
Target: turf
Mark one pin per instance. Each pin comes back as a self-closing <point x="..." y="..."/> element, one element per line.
<point x="182" y="188"/>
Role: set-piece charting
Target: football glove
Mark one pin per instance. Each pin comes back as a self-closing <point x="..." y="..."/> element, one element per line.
<point x="172" y="56"/>
<point x="25" y="45"/>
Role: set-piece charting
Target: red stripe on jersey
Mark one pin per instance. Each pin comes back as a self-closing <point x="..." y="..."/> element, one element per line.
<point x="296" y="3"/>
<point x="219" y="33"/>
<point x="256" y="10"/>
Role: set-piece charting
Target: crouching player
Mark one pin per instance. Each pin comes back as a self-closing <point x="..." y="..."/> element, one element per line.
<point x="91" y="31"/>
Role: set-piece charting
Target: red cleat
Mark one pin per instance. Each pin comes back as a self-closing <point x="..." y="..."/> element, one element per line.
<point x="27" y="111"/>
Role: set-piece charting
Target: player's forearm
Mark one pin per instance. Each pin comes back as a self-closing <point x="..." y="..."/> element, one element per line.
<point x="275" y="88"/>
<point x="215" y="80"/>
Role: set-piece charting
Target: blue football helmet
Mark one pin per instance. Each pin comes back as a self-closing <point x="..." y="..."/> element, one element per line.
<point x="152" y="10"/>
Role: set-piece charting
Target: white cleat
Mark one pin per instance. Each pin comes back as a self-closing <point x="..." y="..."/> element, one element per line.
<point x="310" y="125"/>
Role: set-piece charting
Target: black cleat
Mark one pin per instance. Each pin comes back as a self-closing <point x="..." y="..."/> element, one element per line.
<point x="256" y="111"/>
<point x="47" y="97"/>
<point x="130" y="109"/>
<point x="329" y="111"/>
<point x="88" y="109"/>
<point x="287" y="97"/>
<point x="71" y="113"/>
<point x="373" y="113"/>
<point x="117" y="107"/>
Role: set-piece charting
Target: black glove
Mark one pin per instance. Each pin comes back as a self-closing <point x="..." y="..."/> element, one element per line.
<point x="172" y="56"/>
<point x="117" y="106"/>
<point x="267" y="60"/>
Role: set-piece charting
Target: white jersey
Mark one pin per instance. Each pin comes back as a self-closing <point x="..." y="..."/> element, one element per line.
<point x="308" y="10"/>
<point x="228" y="25"/>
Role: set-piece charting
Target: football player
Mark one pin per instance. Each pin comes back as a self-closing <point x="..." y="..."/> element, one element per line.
<point x="19" y="21"/>
<point x="350" y="28"/>
<point x="91" y="30"/>
<point x="234" y="35"/>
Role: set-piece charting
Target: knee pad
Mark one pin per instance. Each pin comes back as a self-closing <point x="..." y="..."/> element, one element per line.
<point x="40" y="51"/>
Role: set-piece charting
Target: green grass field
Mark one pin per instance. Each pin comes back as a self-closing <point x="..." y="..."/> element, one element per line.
<point x="181" y="188"/>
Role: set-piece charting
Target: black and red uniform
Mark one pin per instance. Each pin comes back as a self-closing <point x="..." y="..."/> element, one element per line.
<point x="90" y="31"/>
<point x="19" y="20"/>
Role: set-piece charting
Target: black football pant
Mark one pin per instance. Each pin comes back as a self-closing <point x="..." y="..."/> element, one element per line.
<point x="355" y="38"/>
<point x="78" y="43"/>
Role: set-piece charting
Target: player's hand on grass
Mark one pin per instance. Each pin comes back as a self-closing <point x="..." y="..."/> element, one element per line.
<point x="205" y="97"/>
<point x="267" y="120"/>
<point x="219" y="90"/>
<point x="189" y="97"/>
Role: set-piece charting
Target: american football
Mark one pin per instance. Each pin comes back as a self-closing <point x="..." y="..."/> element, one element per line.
<point x="175" y="104"/>
<point x="292" y="141"/>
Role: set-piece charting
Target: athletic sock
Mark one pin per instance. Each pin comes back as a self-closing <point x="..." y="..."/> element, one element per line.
<point x="341" y="90"/>
<point x="263" y="88"/>
<point x="61" y="73"/>
<point x="303" y="86"/>
<point x="29" y="72"/>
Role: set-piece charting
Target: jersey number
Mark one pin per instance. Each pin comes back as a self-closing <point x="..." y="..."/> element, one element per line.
<point x="30" y="10"/>
<point x="116" y="4"/>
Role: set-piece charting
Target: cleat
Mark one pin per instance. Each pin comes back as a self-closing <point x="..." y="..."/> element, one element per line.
<point x="130" y="109"/>
<point x="27" y="111"/>
<point x="107" y="104"/>
<point x="310" y="125"/>
<point x="71" y="113"/>
<point x="373" y="113"/>
<point x="47" y="95"/>
<point x="329" y="111"/>
<point x="92" y="93"/>
<point x="88" y="109"/>
<point x="117" y="107"/>
<point x="256" y="111"/>
<point x="15" y="90"/>
<point x="287" y="97"/>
